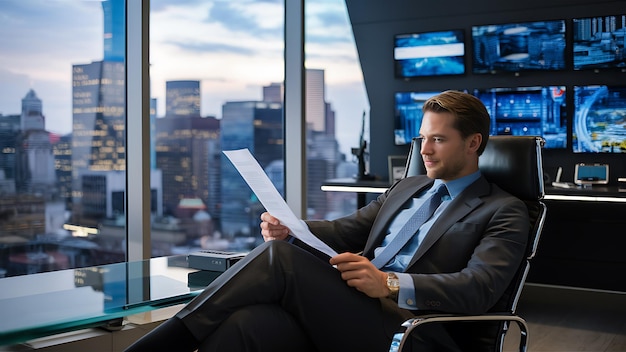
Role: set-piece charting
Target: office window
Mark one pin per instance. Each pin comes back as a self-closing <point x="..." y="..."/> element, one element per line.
<point x="62" y="130"/>
<point x="337" y="106"/>
<point x="216" y="72"/>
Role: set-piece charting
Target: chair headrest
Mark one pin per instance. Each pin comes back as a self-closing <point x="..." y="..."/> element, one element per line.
<point x="515" y="164"/>
<point x="512" y="162"/>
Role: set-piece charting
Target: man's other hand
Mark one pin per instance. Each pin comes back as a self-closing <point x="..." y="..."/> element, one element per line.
<point x="360" y="273"/>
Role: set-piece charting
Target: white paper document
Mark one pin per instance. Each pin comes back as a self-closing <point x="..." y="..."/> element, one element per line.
<point x="271" y="199"/>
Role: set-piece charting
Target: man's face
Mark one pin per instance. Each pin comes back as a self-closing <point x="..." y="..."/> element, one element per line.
<point x="446" y="154"/>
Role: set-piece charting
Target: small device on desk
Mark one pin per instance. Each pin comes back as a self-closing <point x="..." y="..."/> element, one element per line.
<point x="213" y="260"/>
<point x="591" y="174"/>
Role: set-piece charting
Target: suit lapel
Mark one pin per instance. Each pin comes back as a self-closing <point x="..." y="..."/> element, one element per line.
<point x="462" y="205"/>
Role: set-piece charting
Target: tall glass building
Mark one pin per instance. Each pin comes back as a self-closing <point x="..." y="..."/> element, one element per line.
<point x="257" y="126"/>
<point x="182" y="98"/>
<point x="99" y="122"/>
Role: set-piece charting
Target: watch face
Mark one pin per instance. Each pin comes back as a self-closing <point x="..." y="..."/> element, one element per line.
<point x="392" y="281"/>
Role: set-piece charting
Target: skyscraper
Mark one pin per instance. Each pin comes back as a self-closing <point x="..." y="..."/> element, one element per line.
<point x="34" y="171"/>
<point x="9" y="130"/>
<point x="315" y="100"/>
<point x="257" y="126"/>
<point x="274" y="93"/>
<point x="32" y="115"/>
<point x="182" y="98"/>
<point x="99" y="109"/>
<point x="114" y="29"/>
<point x="319" y="117"/>
<point x="186" y="149"/>
<point x="62" y="151"/>
<point x="33" y="151"/>
<point x="99" y="121"/>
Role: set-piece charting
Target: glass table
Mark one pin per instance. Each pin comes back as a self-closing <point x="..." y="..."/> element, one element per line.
<point x="44" y="304"/>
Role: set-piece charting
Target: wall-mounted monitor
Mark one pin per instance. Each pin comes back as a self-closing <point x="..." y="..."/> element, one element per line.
<point x="528" y="111"/>
<point x="515" y="47"/>
<point x="429" y="54"/>
<point x="408" y="115"/>
<point x="599" y="124"/>
<point x="599" y="42"/>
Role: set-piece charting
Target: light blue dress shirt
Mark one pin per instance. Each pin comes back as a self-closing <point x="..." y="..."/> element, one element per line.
<point x="406" y="296"/>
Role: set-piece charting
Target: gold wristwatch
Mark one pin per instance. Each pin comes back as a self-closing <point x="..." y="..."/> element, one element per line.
<point x="393" y="284"/>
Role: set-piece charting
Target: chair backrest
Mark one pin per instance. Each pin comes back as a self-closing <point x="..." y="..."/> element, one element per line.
<point x="514" y="163"/>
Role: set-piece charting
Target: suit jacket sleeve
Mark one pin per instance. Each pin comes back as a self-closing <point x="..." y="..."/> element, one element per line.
<point x="361" y="229"/>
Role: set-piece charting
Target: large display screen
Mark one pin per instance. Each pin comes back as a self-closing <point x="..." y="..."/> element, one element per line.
<point x="599" y="42"/>
<point x="599" y="119"/>
<point x="528" y="111"/>
<point x="408" y="115"/>
<point x="515" y="47"/>
<point x="429" y="54"/>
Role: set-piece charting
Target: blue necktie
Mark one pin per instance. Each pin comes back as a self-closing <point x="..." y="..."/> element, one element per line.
<point x="421" y="215"/>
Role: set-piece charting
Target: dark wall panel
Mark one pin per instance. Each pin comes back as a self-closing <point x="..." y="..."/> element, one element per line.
<point x="375" y="22"/>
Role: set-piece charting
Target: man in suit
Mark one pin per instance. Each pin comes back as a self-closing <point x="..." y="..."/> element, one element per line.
<point x="285" y="296"/>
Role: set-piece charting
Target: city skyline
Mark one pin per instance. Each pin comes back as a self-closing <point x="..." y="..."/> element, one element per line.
<point x="242" y="45"/>
<point x="66" y="180"/>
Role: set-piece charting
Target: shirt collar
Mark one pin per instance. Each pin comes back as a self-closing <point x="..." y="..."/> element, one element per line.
<point x="455" y="187"/>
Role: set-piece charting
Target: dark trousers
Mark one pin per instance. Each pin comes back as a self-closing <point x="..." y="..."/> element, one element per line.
<point x="278" y="298"/>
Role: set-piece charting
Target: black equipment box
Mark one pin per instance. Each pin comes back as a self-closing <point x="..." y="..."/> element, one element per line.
<point x="213" y="260"/>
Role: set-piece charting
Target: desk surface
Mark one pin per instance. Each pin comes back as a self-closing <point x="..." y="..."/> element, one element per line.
<point x="44" y="304"/>
<point x="351" y="181"/>
<point x="594" y="193"/>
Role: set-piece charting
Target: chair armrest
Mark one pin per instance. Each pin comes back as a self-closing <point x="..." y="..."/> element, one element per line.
<point x="409" y="325"/>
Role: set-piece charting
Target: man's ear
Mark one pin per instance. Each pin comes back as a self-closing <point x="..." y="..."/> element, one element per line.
<point x="474" y="141"/>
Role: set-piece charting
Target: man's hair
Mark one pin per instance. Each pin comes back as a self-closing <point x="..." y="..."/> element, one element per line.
<point x="470" y="113"/>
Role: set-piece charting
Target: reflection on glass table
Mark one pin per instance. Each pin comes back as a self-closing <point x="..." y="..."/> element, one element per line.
<point x="44" y="304"/>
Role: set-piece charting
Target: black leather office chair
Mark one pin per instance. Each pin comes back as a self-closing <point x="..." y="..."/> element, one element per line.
<point x="515" y="164"/>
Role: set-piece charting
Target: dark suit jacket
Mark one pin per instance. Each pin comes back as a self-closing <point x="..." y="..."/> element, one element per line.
<point x="466" y="261"/>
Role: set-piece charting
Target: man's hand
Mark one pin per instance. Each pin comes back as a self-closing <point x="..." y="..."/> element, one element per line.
<point x="360" y="273"/>
<point x="272" y="229"/>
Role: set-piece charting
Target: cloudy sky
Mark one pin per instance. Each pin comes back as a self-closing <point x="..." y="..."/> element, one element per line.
<point x="234" y="47"/>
